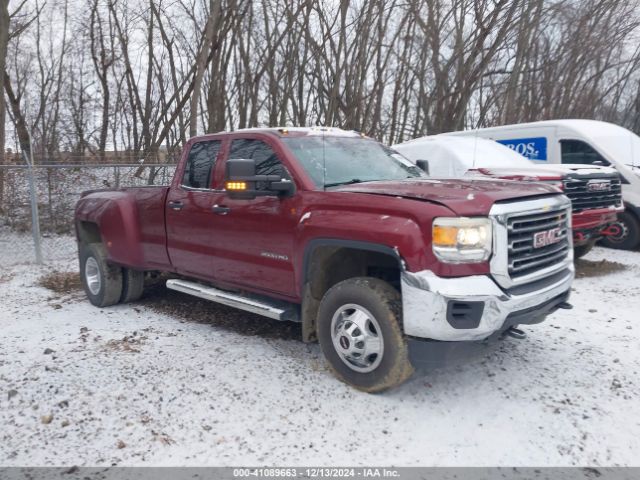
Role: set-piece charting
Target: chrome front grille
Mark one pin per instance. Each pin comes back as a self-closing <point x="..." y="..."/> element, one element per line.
<point x="537" y="241"/>
<point x="586" y="194"/>
<point x="519" y="257"/>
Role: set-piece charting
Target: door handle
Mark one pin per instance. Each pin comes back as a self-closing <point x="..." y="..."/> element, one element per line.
<point x="220" y="209"/>
<point x="175" y="205"/>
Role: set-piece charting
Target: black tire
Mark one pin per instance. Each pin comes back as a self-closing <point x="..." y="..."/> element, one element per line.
<point x="132" y="285"/>
<point x="110" y="276"/>
<point x="384" y="303"/>
<point x="629" y="236"/>
<point x="581" y="250"/>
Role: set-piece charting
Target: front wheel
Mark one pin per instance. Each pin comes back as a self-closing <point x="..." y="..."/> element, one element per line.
<point x="360" y="333"/>
<point x="625" y="233"/>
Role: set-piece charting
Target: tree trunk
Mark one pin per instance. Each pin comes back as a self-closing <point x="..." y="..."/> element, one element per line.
<point x="4" y="40"/>
<point x="21" y="123"/>
<point x="201" y="64"/>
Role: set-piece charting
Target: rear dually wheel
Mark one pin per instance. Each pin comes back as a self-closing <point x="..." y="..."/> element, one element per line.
<point x="102" y="281"/>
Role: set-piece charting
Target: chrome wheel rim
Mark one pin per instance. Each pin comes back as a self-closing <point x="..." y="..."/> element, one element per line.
<point x="622" y="233"/>
<point x="357" y="338"/>
<point x="92" y="275"/>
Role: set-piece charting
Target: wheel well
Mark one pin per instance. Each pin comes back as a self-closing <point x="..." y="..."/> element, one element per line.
<point x="327" y="265"/>
<point x="89" y="232"/>
<point x="633" y="211"/>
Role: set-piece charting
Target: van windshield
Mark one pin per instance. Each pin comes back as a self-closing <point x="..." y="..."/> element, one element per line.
<point x="333" y="161"/>
<point x="577" y="152"/>
<point x="620" y="145"/>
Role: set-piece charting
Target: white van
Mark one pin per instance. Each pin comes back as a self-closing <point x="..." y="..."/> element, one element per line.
<point x="582" y="142"/>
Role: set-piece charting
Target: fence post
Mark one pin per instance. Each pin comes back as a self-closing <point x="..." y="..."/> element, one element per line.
<point x="35" y="218"/>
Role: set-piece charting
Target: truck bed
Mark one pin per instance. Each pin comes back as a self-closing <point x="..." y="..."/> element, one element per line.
<point x="140" y="213"/>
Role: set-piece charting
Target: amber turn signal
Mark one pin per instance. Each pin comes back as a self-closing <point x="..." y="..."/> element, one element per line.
<point x="236" y="186"/>
<point x="445" y="236"/>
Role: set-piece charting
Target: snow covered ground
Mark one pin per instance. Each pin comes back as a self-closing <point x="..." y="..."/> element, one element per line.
<point x="178" y="381"/>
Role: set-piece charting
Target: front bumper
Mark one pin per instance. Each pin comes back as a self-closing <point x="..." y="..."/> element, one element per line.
<point x="475" y="307"/>
<point x="589" y="225"/>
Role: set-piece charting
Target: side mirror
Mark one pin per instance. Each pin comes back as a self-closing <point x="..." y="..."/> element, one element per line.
<point x="424" y="165"/>
<point x="282" y="187"/>
<point x="242" y="181"/>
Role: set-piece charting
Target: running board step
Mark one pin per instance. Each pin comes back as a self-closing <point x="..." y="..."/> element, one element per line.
<point x="278" y="310"/>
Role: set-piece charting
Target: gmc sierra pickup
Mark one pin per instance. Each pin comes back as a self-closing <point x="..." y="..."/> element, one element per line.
<point x="336" y="231"/>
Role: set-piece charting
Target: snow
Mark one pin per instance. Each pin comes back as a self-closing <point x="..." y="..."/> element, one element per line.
<point x="193" y="392"/>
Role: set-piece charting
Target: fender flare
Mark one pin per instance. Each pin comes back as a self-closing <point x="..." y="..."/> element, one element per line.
<point x="633" y="209"/>
<point x="310" y="304"/>
<point x="312" y="245"/>
<point x="116" y="216"/>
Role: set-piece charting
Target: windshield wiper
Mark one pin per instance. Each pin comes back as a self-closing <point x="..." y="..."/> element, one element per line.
<point x="347" y="182"/>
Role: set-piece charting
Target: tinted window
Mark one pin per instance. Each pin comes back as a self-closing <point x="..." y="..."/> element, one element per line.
<point x="577" y="151"/>
<point x="267" y="162"/>
<point x="199" y="168"/>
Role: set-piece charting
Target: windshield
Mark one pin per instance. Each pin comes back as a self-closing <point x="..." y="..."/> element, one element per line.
<point x="332" y="161"/>
<point x="622" y="146"/>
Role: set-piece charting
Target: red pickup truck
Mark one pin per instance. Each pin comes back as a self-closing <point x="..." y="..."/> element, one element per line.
<point x="336" y="231"/>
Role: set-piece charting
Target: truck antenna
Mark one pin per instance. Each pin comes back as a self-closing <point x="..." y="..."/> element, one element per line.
<point x="324" y="165"/>
<point x="475" y="148"/>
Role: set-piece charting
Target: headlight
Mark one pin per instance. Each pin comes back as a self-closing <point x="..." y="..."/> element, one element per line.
<point x="462" y="240"/>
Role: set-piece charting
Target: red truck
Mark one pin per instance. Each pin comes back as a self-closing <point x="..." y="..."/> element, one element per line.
<point x="596" y="198"/>
<point x="336" y="231"/>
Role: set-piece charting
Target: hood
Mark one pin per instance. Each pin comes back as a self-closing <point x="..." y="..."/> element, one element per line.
<point x="582" y="169"/>
<point x="544" y="172"/>
<point x="463" y="197"/>
<point x="524" y="174"/>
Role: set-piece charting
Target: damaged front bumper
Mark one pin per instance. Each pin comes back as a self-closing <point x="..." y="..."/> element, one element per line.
<point x="591" y="225"/>
<point x="475" y="307"/>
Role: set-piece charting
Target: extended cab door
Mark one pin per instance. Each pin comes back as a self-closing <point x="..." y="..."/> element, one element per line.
<point x="189" y="213"/>
<point x="254" y="238"/>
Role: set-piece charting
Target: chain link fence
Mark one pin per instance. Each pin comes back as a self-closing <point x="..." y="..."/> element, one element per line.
<point x="57" y="189"/>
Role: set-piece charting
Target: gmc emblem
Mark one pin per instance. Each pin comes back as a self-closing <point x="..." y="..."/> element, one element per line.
<point x="598" y="186"/>
<point x="548" y="237"/>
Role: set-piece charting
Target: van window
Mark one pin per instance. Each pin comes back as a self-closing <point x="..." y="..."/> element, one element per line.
<point x="267" y="162"/>
<point x="200" y="164"/>
<point x="577" y="152"/>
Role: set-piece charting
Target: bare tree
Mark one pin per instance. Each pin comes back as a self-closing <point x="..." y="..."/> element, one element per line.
<point x="201" y="63"/>
<point x="140" y="77"/>
<point x="4" y="42"/>
<point x="103" y="57"/>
